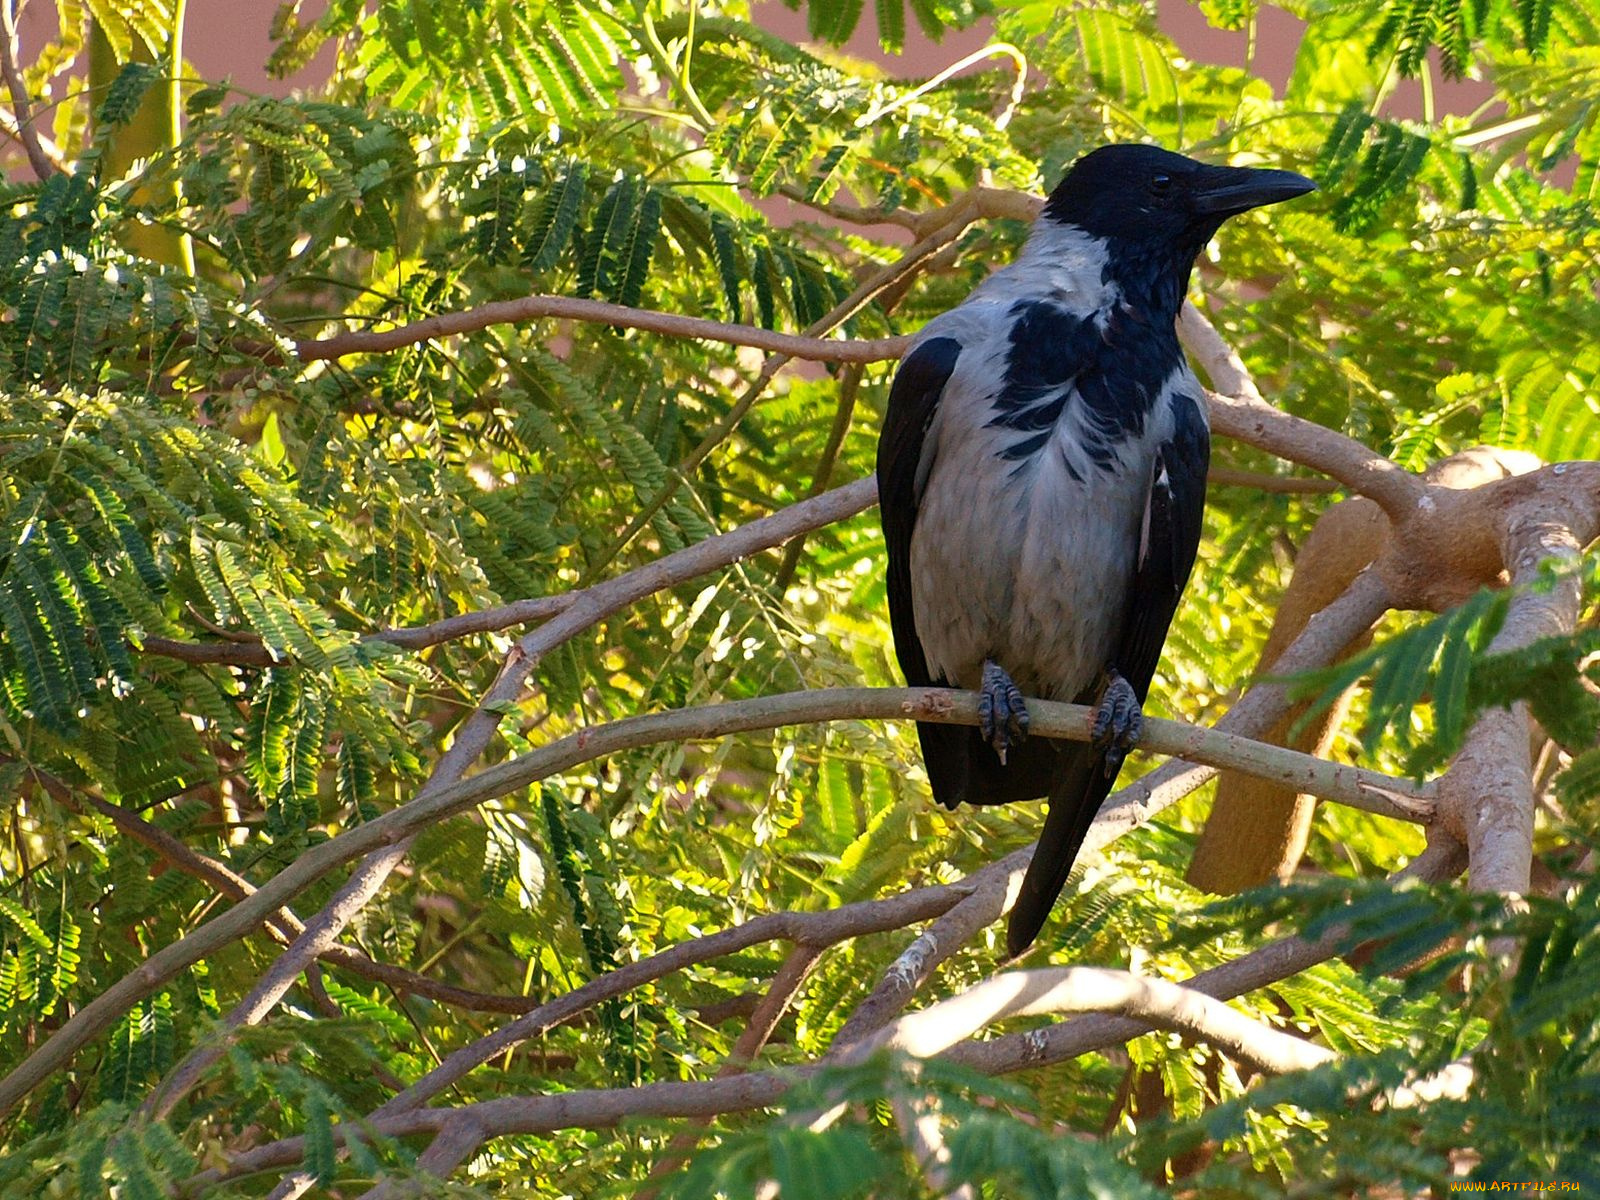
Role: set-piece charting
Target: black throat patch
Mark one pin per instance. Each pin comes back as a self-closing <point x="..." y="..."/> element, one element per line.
<point x="1109" y="365"/>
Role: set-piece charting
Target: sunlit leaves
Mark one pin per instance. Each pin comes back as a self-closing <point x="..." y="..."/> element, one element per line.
<point x="180" y="473"/>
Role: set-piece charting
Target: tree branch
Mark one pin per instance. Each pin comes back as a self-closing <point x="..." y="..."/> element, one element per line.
<point x="316" y="939"/>
<point x="252" y="652"/>
<point x="1238" y="411"/>
<point x="1443" y="859"/>
<point x="1327" y="633"/>
<point x="43" y="166"/>
<point x="1155" y="1001"/>
<point x="1488" y="791"/>
<point x="530" y="308"/>
<point x="13" y="129"/>
<point x="229" y="654"/>
<point x="386" y="836"/>
<point x="919" y="1124"/>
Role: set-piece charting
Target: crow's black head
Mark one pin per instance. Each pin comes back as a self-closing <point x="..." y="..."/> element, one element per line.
<point x="1157" y="209"/>
<point x="1143" y="193"/>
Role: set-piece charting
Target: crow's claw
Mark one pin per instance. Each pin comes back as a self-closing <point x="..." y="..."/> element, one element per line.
<point x="1118" y="722"/>
<point x="1002" y="712"/>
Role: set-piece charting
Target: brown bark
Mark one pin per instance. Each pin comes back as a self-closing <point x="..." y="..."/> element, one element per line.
<point x="1257" y="829"/>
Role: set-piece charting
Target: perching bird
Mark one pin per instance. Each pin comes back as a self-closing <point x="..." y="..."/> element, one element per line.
<point x="1041" y="477"/>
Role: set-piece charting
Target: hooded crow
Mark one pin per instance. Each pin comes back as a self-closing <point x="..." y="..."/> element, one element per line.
<point x="1041" y="481"/>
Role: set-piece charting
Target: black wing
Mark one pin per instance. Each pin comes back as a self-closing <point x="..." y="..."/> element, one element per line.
<point x="1169" y="536"/>
<point x="913" y="402"/>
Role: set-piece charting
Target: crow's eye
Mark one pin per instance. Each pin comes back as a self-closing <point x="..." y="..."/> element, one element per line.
<point x="1160" y="185"/>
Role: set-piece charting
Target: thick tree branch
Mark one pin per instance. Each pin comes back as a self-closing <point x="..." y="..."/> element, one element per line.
<point x="1488" y="790"/>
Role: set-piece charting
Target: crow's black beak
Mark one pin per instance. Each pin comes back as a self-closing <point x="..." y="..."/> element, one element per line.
<point x="1237" y="189"/>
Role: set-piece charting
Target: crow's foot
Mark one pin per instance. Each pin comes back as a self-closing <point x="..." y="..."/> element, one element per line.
<point x="1118" y="722"/>
<point x="1002" y="712"/>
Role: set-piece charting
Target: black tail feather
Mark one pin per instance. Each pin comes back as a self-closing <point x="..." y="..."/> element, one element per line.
<point x="1082" y="787"/>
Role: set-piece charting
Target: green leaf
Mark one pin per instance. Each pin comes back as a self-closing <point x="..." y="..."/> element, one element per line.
<point x="20" y="919"/>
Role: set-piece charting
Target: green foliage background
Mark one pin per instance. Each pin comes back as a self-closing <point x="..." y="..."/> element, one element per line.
<point x="168" y="469"/>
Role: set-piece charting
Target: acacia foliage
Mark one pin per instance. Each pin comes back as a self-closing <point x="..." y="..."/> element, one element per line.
<point x="171" y="469"/>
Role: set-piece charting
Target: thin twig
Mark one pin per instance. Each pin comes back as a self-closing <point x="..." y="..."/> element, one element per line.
<point x="1019" y="84"/>
<point x="855" y="214"/>
<point x="529" y="308"/>
<point x="822" y="474"/>
<point x="249" y="651"/>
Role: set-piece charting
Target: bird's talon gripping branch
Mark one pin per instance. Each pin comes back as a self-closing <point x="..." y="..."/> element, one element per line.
<point x="1002" y="712"/>
<point x="1118" y="723"/>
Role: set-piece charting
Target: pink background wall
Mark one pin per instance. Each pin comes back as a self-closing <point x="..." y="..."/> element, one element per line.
<point x="230" y="37"/>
